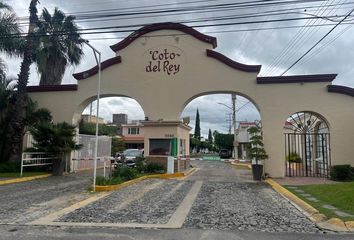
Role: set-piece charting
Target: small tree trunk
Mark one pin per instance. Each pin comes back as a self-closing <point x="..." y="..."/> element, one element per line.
<point x="59" y="165"/>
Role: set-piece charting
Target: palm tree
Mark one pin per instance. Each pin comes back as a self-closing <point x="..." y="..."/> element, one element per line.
<point x="8" y="26"/>
<point x="17" y="111"/>
<point x="59" y="46"/>
<point x="57" y="139"/>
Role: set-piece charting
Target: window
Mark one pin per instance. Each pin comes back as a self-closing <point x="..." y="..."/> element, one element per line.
<point x="133" y="131"/>
<point x="160" y="147"/>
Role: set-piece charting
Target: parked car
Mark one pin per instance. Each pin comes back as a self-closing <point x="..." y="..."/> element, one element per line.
<point x="128" y="157"/>
<point x="225" y="153"/>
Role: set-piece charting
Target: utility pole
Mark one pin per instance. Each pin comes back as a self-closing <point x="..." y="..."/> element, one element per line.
<point x="235" y="143"/>
<point x="229" y="121"/>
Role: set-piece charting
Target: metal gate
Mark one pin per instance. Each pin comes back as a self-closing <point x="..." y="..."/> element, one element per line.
<point x="307" y="154"/>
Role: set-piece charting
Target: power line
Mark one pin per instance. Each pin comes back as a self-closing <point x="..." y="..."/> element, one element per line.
<point x="225" y="6"/>
<point x="306" y="37"/>
<point x="293" y="42"/>
<point x="298" y="60"/>
<point x="128" y="28"/>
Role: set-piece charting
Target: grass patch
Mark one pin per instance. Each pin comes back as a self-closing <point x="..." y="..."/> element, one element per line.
<point x="17" y="175"/>
<point x="339" y="195"/>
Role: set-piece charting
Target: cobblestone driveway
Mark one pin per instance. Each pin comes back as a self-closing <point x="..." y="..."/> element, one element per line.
<point x="227" y="199"/>
<point x="27" y="201"/>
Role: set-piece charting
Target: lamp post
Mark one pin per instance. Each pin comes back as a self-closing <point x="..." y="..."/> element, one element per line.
<point x="234" y="111"/>
<point x="98" y="61"/>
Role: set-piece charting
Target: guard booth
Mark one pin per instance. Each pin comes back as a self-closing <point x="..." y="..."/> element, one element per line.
<point x="167" y="138"/>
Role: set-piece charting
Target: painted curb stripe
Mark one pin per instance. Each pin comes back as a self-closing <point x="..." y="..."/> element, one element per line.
<point x="24" y="179"/>
<point x="128" y="183"/>
<point x="242" y="165"/>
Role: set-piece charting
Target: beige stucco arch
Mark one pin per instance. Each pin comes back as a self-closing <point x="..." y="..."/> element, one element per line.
<point x="195" y="69"/>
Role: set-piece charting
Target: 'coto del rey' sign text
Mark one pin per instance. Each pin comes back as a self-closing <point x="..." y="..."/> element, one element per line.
<point x="163" y="61"/>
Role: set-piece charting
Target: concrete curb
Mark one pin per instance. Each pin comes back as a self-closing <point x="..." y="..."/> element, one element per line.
<point x="333" y="224"/>
<point x="24" y="179"/>
<point x="242" y="165"/>
<point x="131" y="182"/>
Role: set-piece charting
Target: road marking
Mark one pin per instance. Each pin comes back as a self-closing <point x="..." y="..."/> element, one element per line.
<point x="176" y="220"/>
<point x="183" y="209"/>
<point x="52" y="217"/>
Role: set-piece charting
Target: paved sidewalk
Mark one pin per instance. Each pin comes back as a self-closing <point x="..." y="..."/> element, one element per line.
<point x="296" y="181"/>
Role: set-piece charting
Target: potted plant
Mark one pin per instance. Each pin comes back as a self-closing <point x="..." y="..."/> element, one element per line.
<point x="257" y="152"/>
<point x="55" y="139"/>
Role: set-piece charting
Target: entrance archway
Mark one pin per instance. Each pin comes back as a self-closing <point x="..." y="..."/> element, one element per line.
<point x="165" y="65"/>
<point x="307" y="145"/>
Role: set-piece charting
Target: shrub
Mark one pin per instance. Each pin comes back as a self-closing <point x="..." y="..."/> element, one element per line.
<point x="102" y="181"/>
<point x="342" y="173"/>
<point x="154" y="168"/>
<point x="10" y="167"/>
<point x="125" y="173"/>
<point x="293" y="157"/>
<point x="140" y="164"/>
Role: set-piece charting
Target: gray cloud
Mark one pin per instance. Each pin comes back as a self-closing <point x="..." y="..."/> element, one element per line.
<point x="257" y="47"/>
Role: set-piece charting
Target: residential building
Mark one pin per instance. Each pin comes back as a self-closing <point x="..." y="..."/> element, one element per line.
<point x="133" y="135"/>
<point x="243" y="138"/>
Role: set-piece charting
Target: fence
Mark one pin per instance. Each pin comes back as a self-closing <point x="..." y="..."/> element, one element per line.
<point x="30" y="159"/>
<point x="307" y="154"/>
<point x="83" y="159"/>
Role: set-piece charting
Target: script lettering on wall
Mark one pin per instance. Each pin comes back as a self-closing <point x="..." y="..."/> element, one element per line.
<point x="165" y="60"/>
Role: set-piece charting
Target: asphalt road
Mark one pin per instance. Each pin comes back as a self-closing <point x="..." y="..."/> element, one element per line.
<point x="55" y="233"/>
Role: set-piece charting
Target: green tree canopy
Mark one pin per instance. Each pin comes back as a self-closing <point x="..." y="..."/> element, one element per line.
<point x="223" y="141"/>
<point x="257" y="151"/>
<point x="197" y="126"/>
<point x="210" y="137"/>
<point x="117" y="145"/>
<point x="60" y="44"/>
<point x="55" y="138"/>
<point x="103" y="129"/>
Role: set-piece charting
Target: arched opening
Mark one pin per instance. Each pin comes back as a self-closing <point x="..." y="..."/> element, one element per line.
<point x="307" y="145"/>
<point x="119" y="128"/>
<point x="224" y="118"/>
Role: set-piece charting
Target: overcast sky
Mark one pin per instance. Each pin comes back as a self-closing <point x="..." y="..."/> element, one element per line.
<point x="263" y="47"/>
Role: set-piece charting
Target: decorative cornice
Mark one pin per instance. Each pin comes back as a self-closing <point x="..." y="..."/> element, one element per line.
<point x="52" y="88"/>
<point x="163" y="26"/>
<point x="297" y="79"/>
<point x="341" y="89"/>
<point x="94" y="70"/>
<point x="231" y="63"/>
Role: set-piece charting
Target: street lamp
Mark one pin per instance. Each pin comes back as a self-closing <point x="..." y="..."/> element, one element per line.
<point x="98" y="61"/>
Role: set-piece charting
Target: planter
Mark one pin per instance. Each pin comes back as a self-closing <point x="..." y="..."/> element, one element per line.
<point x="257" y="171"/>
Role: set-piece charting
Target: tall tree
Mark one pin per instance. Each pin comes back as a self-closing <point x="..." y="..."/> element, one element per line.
<point x="197" y="126"/>
<point x="60" y="45"/>
<point x="210" y="137"/>
<point x="8" y="26"/>
<point x="16" y="126"/>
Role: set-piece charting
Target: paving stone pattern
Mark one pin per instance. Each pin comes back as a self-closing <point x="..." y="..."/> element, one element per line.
<point x="27" y="201"/>
<point x="154" y="206"/>
<point x="245" y="206"/>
